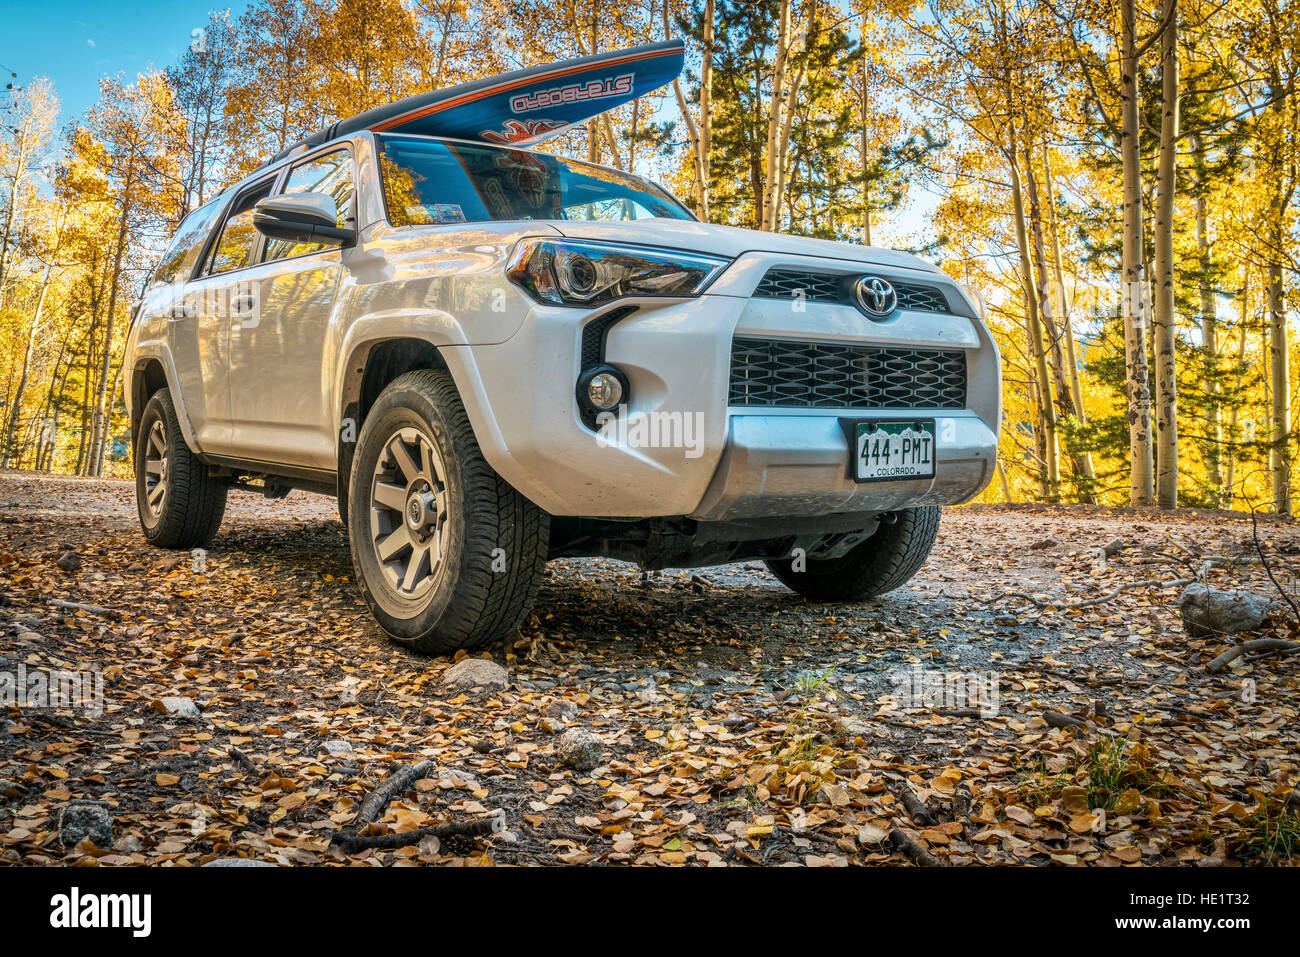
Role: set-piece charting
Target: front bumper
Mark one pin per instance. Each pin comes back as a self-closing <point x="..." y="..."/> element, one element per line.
<point x="721" y="462"/>
<point x="777" y="466"/>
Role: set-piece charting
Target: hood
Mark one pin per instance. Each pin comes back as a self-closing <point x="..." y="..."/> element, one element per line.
<point x="731" y="241"/>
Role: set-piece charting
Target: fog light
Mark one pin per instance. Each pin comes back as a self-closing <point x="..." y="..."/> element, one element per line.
<point x="604" y="391"/>
<point x="601" y="389"/>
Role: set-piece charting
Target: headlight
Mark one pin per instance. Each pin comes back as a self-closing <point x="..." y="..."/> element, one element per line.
<point x="570" y="273"/>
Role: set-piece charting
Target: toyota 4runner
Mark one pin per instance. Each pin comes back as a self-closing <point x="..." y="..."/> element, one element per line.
<point x="494" y="357"/>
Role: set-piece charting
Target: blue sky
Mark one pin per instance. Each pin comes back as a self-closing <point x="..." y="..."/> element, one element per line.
<point x="75" y="42"/>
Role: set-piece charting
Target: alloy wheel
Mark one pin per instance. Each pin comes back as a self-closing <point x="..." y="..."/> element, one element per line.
<point x="409" y="512"/>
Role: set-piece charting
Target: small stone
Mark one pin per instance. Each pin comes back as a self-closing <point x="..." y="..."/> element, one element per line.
<point x="69" y="561"/>
<point x="560" y="709"/>
<point x="1044" y="543"/>
<point x="456" y="778"/>
<point x="129" y="844"/>
<point x="1113" y="547"/>
<point x="579" y="749"/>
<point x="1208" y="611"/>
<point x="475" y="673"/>
<point x="237" y="862"/>
<point x="175" y="707"/>
<point x="80" y="820"/>
<point x="349" y="693"/>
<point x="337" y="747"/>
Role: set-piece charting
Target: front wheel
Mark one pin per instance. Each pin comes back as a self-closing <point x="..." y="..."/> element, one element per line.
<point x="886" y="560"/>
<point x="179" y="503"/>
<point x="447" y="554"/>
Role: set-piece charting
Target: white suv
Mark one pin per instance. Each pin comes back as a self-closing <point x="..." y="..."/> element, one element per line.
<point x="494" y="357"/>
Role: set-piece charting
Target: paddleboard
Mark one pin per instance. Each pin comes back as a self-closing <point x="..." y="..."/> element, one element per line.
<point x="524" y="106"/>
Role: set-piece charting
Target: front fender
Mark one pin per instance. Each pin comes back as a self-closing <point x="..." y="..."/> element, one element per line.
<point x="142" y="354"/>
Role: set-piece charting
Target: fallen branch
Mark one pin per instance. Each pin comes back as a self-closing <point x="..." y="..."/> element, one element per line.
<point x="1058" y="720"/>
<point x="242" y="758"/>
<point x="912" y="850"/>
<point x="1247" y="647"/>
<point x="961" y="799"/>
<point x="91" y="609"/>
<point x="494" y="824"/>
<point x="916" y="808"/>
<point x="393" y="785"/>
<point x="378" y="799"/>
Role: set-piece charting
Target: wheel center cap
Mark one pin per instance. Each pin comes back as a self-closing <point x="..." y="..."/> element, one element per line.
<point x="420" y="510"/>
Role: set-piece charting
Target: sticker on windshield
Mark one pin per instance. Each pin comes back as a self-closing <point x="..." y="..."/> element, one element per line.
<point x="450" y="213"/>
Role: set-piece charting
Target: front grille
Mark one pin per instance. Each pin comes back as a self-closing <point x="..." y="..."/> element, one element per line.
<point x="920" y="298"/>
<point x="821" y="375"/>
<point x="786" y="283"/>
<point x="782" y="283"/>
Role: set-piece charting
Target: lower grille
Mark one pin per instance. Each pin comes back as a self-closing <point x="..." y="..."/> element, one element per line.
<point x="821" y="375"/>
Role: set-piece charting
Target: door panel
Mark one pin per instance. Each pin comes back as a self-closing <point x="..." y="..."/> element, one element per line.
<point x="278" y="391"/>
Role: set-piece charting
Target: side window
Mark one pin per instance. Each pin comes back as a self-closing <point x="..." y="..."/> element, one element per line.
<point x="234" y="249"/>
<point x="329" y="173"/>
<point x="178" y="261"/>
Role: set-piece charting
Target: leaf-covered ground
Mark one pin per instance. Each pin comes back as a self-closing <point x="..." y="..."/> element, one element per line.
<point x="740" y="725"/>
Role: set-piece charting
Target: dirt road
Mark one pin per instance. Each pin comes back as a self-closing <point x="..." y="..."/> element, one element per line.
<point x="735" y="722"/>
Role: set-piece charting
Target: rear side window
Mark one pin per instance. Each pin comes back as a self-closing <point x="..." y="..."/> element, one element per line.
<point x="330" y="173"/>
<point x="238" y="240"/>
<point x="178" y="261"/>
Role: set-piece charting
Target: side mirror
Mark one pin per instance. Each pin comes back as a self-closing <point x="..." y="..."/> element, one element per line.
<point x="303" y="218"/>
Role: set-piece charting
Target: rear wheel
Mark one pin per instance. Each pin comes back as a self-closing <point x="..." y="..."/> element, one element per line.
<point x="447" y="554"/>
<point x="179" y="503"/>
<point x="886" y="560"/>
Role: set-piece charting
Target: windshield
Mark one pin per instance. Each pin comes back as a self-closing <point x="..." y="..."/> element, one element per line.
<point x="429" y="181"/>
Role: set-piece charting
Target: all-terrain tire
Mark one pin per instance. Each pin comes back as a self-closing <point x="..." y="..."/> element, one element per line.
<point x="493" y="540"/>
<point x="886" y="560"/>
<point x="188" y="510"/>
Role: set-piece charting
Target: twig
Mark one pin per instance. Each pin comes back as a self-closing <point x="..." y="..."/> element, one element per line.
<point x="1058" y="720"/>
<point x="1259" y="549"/>
<point x="494" y="824"/>
<point x="1246" y="647"/>
<point x="378" y="799"/>
<point x="242" y="758"/>
<point x="915" y="807"/>
<point x="910" y="849"/>
<point x="92" y="609"/>
<point x="961" y="800"/>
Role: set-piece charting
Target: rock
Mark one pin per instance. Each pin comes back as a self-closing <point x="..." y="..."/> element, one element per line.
<point x="130" y="844"/>
<point x="69" y="561"/>
<point x="237" y="862"/>
<point x="1208" y="611"/>
<point x="349" y="693"/>
<point x="1044" y="543"/>
<point x="560" y="709"/>
<point x="579" y="749"/>
<point x="475" y="673"/>
<point x="81" y="820"/>
<point x="456" y="778"/>
<point x="1113" y="547"/>
<point x="337" y="747"/>
<point x="175" y="707"/>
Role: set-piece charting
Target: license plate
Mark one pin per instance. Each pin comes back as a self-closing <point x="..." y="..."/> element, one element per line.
<point x="893" y="450"/>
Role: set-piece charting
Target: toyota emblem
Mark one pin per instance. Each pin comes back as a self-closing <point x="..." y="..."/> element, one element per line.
<point x="876" y="296"/>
